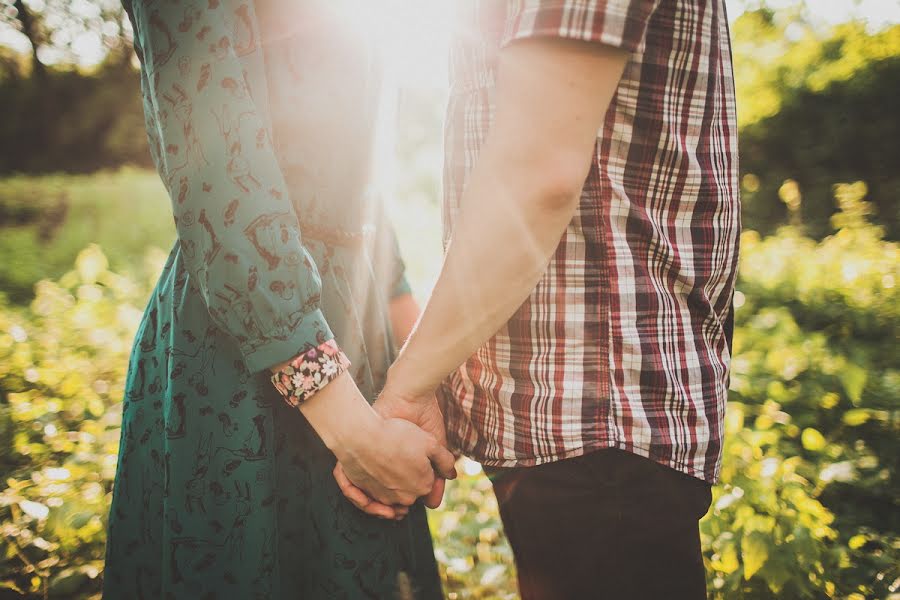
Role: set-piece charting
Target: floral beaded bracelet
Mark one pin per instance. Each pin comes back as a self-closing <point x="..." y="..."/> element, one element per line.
<point x="309" y="372"/>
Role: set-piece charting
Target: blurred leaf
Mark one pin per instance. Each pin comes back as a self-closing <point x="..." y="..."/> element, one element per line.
<point x="35" y="510"/>
<point x="754" y="553"/>
<point x="729" y="559"/>
<point x="854" y="379"/>
<point x="857" y="542"/>
<point x="856" y="416"/>
<point x="67" y="582"/>
<point x="812" y="440"/>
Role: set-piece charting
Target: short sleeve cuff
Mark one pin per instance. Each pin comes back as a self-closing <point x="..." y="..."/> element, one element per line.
<point x="618" y="23"/>
<point x="309" y="332"/>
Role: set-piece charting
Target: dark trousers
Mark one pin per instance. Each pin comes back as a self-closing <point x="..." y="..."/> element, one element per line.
<point x="609" y="524"/>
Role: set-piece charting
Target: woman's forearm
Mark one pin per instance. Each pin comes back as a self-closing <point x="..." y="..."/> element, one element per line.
<point x="340" y="414"/>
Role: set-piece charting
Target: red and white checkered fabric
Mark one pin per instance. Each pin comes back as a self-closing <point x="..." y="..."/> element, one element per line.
<point x="625" y="342"/>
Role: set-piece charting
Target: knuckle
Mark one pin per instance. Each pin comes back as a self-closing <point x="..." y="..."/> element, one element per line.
<point x="424" y="487"/>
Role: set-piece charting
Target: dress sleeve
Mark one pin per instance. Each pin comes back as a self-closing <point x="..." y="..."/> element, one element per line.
<point x="203" y="81"/>
<point x="618" y="23"/>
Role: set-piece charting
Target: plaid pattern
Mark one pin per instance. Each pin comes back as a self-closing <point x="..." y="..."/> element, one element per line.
<point x="625" y="342"/>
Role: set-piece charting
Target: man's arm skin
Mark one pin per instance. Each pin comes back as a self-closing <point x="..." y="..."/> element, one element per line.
<point x="524" y="190"/>
<point x="552" y="96"/>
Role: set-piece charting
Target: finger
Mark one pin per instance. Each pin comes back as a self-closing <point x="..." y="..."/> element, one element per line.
<point x="352" y="492"/>
<point x="359" y="498"/>
<point x="383" y="511"/>
<point x="400" y="511"/>
<point x="443" y="461"/>
<point x="436" y="495"/>
<point x="407" y="498"/>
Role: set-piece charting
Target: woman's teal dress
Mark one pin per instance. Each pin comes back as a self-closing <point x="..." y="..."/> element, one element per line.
<point x="264" y="142"/>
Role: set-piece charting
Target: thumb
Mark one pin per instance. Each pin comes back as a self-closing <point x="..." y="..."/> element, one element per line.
<point x="436" y="495"/>
<point x="443" y="461"/>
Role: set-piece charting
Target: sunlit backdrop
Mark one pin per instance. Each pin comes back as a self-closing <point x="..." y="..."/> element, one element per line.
<point x="809" y="503"/>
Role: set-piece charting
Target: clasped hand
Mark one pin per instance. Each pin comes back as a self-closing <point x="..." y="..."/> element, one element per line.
<point x="402" y="458"/>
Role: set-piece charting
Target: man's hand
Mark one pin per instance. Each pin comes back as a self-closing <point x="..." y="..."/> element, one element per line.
<point x="392" y="459"/>
<point x="426" y="414"/>
<point x="396" y="463"/>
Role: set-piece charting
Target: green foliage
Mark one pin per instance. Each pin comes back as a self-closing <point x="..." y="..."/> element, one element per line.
<point x="812" y="110"/>
<point x="472" y="553"/>
<point x="46" y="221"/>
<point x="61" y="381"/>
<point x="72" y="121"/>
<point x="810" y="505"/>
<point x="807" y="506"/>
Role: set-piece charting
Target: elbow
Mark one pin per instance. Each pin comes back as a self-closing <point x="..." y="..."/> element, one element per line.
<point x="557" y="181"/>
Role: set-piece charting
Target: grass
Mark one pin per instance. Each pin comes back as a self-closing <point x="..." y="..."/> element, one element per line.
<point x="126" y="212"/>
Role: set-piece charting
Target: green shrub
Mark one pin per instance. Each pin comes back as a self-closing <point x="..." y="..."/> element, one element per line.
<point x="811" y="110"/>
<point x="62" y="362"/>
<point x="807" y="507"/>
<point x="810" y="506"/>
<point x="73" y="121"/>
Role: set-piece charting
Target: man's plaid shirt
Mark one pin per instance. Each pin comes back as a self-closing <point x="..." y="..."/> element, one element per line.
<point x="625" y="342"/>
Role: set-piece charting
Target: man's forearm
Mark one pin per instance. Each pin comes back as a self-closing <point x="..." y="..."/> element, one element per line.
<point x="519" y="199"/>
<point x="500" y="249"/>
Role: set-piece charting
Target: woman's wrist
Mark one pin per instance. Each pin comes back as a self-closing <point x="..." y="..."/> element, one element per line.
<point x="341" y="416"/>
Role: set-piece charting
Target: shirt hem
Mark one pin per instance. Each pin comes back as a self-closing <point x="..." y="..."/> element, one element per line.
<point x="646" y="452"/>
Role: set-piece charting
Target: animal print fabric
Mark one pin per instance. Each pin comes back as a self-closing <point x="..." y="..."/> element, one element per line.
<point x="223" y="490"/>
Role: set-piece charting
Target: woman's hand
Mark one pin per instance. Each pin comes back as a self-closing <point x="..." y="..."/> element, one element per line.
<point x="425" y="413"/>
<point x="391" y="459"/>
<point x="396" y="463"/>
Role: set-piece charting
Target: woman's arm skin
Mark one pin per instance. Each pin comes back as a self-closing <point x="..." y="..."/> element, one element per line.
<point x="552" y="96"/>
<point x="387" y="455"/>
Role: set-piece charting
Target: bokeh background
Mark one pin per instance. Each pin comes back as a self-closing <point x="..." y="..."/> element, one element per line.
<point x="808" y="506"/>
